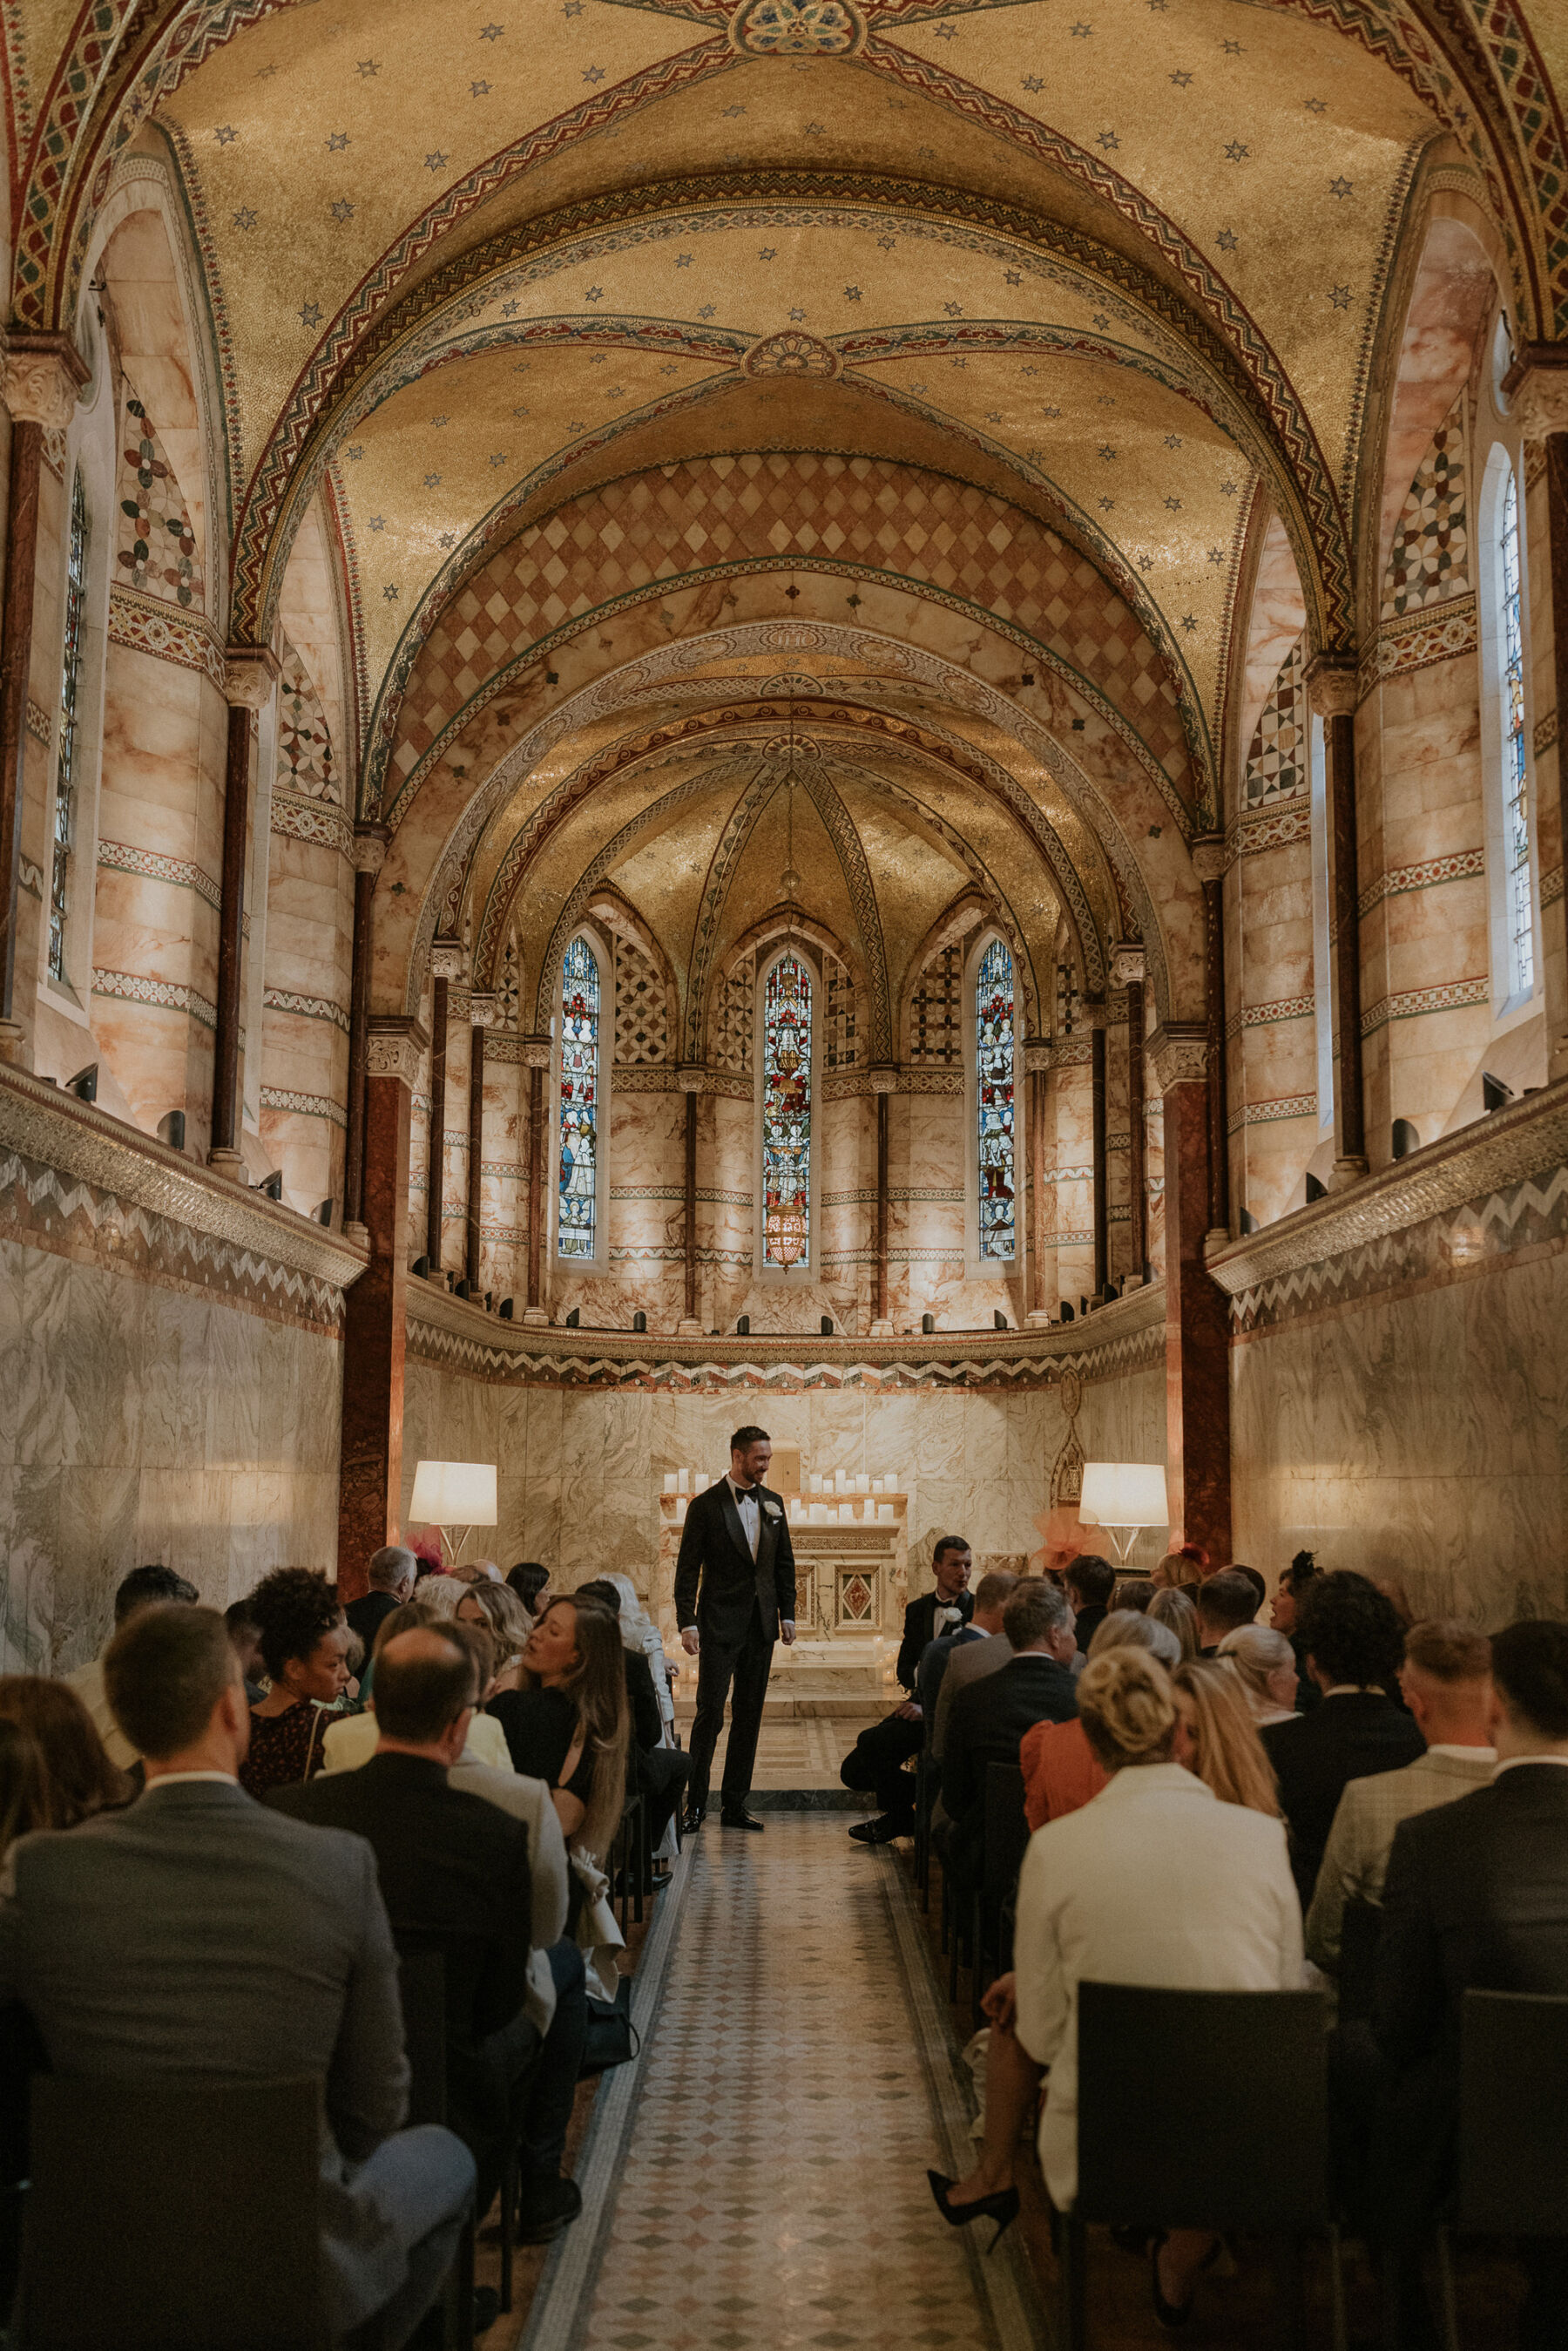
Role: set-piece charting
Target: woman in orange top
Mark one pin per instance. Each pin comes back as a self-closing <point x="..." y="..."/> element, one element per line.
<point x="1060" y="1775"/>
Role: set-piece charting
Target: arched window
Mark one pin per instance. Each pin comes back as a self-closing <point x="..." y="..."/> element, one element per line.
<point x="577" y="1221"/>
<point x="70" y="696"/>
<point x="786" y="1105"/>
<point x="995" y="1050"/>
<point x="1515" y="772"/>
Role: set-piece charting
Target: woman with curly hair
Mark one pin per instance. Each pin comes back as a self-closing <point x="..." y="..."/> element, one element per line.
<point x="305" y="1646"/>
<point x="81" y="1778"/>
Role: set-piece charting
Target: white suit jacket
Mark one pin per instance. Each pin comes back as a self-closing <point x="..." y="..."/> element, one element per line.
<point x="1153" y="1882"/>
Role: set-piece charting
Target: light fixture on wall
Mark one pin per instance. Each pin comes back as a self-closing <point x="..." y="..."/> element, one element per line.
<point x="449" y="1494"/>
<point x="1123" y="1497"/>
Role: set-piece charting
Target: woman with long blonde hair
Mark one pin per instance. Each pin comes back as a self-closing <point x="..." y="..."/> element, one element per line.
<point x="497" y="1608"/>
<point x="1217" y="1739"/>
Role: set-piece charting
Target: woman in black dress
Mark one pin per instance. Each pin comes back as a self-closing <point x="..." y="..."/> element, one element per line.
<point x="568" y="1723"/>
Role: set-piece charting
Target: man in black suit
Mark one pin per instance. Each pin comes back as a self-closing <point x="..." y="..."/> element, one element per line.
<point x="1225" y="1602"/>
<point x="1088" y="1582"/>
<point x="1476" y="1898"/>
<point x="987" y="1721"/>
<point x="392" y="1574"/>
<point x="875" y="1764"/>
<point x="453" y="1874"/>
<point x="734" y="1595"/>
<point x="1354" y="1644"/>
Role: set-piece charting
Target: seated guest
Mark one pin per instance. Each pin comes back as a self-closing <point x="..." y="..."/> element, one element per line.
<point x="245" y="1633"/>
<point x="1259" y="1588"/>
<point x="1058" y="1764"/>
<point x="939" y="1654"/>
<point x="504" y="1618"/>
<point x="987" y="1646"/>
<point x="1447" y="1682"/>
<point x="639" y="1632"/>
<point x="26" y="1802"/>
<point x="196" y="1933"/>
<point x="391" y="1574"/>
<point x="1295" y="1581"/>
<point x="1476" y="1897"/>
<point x="530" y="1582"/>
<point x="875" y="1764"/>
<point x="1225" y="1602"/>
<point x="1173" y="1608"/>
<point x="439" y="1592"/>
<point x="1132" y="1591"/>
<point x="80" y="1776"/>
<point x="989" y="1718"/>
<point x="660" y="1773"/>
<point x="1181" y="1570"/>
<point x="453" y="1874"/>
<point x="144" y="1587"/>
<point x="1088" y="1582"/>
<point x="1156" y="1882"/>
<point x="568" y="1723"/>
<point x="305" y="1646"/>
<point x="475" y="1571"/>
<point x="1217" y="1740"/>
<point x="351" y="1739"/>
<point x="1354" y="1644"/>
<point x="1265" y="1665"/>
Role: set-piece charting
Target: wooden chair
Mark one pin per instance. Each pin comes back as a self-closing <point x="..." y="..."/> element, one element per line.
<point x="1512" y="2150"/>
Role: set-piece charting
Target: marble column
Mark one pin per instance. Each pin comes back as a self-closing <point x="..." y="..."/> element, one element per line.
<point x="884" y="1085"/>
<point x="369" y="853"/>
<point x="689" y="1081"/>
<point x="1209" y="862"/>
<point x="435" y="1160"/>
<point x="39" y="378"/>
<point x="1127" y="964"/>
<point x="251" y="673"/>
<point x="481" y="1017"/>
<point x="1197" y="1328"/>
<point x="537" y="1060"/>
<point x="1100" y="1192"/>
<point x="370" y="1493"/>
<point x="1332" y="686"/>
<point x="1537" y="390"/>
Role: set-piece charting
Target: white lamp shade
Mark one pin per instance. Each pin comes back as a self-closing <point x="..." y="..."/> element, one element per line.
<point x="453" y="1494"/>
<point x="1122" y="1494"/>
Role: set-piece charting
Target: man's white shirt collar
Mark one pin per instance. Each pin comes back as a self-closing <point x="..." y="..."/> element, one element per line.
<point x="189" y="1779"/>
<point x="1511" y="1762"/>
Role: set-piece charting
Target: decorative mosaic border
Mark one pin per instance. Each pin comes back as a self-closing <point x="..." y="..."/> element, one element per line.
<point x="1276" y="829"/>
<point x="301" y="819"/>
<point x="1545" y="733"/>
<point x="39" y="724"/>
<point x="1264" y="1016"/>
<point x="121" y="857"/>
<point x="1416" y="1001"/>
<point x="309" y="1008"/>
<point x="1419" y="640"/>
<point x="1268" y="1113"/>
<point x="143" y="625"/>
<point x="1456" y="868"/>
<point x="1551" y="887"/>
<point x="303" y="1105"/>
<point x="166" y="995"/>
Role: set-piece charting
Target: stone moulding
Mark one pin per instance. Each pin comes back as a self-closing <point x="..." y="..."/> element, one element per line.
<point x="450" y="1334"/>
<point x="54" y="1129"/>
<point x="1528" y="1138"/>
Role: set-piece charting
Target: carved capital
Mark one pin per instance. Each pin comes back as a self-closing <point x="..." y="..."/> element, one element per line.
<point x="449" y="959"/>
<point x="250" y="673"/>
<point x="884" y="1080"/>
<point x="1180" y="1056"/>
<point x="42" y="376"/>
<point x="1093" y="1014"/>
<point x="369" y="849"/>
<point x="1036" y="1054"/>
<point x="1536" y="390"/>
<point x="693" y="1079"/>
<point x="1128" y="961"/>
<point x="393" y="1047"/>
<point x="535" y="1052"/>
<point x="1209" y="858"/>
<point x="1333" y="685"/>
<point x="483" y="1011"/>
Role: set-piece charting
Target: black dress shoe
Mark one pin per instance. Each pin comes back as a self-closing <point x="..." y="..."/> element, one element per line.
<point x="549" y="2204"/>
<point x="692" y="1818"/>
<point x="881" y="1830"/>
<point x="486" y="2308"/>
<point x="736" y="1816"/>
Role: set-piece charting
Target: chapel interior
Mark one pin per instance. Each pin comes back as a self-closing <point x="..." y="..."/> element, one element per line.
<point x="840" y="714"/>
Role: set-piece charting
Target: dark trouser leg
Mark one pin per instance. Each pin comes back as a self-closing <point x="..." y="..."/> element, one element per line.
<point x="549" y="2110"/>
<point x="875" y="1763"/>
<point x="752" y="1669"/>
<point x="715" y="1665"/>
<point x="665" y="1773"/>
<point x="1544" y="2322"/>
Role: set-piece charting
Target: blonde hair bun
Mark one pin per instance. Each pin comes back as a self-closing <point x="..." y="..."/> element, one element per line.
<point x="1126" y="1707"/>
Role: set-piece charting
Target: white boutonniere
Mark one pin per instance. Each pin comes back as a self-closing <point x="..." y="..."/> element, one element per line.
<point x="773" y="1509"/>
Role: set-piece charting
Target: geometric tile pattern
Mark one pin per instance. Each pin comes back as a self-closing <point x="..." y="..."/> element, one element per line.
<point x="676" y="520"/>
<point x="157" y="550"/>
<point x="147" y="626"/>
<point x="731" y="1045"/>
<point x="305" y="762"/>
<point x="1277" y="762"/>
<point x="772" y="2189"/>
<point x="642" y="1007"/>
<point x="1429" y="562"/>
<point x="839" y="1040"/>
<point x="936" y="1018"/>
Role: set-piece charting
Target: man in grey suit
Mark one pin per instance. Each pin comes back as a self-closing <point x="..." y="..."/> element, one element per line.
<point x="198" y="1933"/>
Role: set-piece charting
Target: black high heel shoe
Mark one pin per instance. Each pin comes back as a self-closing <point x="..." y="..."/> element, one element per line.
<point x="1172" y="2315"/>
<point x="1002" y="2208"/>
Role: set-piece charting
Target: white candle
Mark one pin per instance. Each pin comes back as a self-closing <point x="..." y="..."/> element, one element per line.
<point x="884" y="1510"/>
<point x="863" y="1483"/>
<point x="703" y="1481"/>
<point x="683" y="1484"/>
<point x="669" y="1482"/>
<point x="816" y="1482"/>
<point x="682" y="1505"/>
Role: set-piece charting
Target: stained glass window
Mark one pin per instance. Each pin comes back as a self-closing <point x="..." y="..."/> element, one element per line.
<point x="993" y="1048"/>
<point x="65" y="772"/>
<point x="787" y="1114"/>
<point x="578" y="1220"/>
<point x="1515" y="776"/>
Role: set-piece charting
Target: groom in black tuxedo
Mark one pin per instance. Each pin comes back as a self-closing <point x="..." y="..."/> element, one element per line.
<point x="734" y="1592"/>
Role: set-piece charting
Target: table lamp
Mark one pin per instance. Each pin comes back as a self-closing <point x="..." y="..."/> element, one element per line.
<point x="1123" y="1495"/>
<point x="453" y="1494"/>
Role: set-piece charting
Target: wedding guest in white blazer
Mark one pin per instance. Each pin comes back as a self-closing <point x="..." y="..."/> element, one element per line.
<point x="1154" y="1881"/>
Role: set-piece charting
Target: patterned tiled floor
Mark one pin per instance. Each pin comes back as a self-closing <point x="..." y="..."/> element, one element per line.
<point x="799" y="1754"/>
<point x="772" y="2192"/>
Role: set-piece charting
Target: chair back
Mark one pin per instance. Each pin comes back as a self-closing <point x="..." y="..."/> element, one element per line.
<point x="1203" y="2109"/>
<point x="1359" y="1930"/>
<point x="1006" y="1830"/>
<point x="421" y="1975"/>
<point x="169" y="2214"/>
<point x="1513" y="2093"/>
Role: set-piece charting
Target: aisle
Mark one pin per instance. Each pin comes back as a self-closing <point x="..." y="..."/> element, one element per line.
<point x="763" y="2183"/>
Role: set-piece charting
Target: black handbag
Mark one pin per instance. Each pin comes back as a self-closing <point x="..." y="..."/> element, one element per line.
<point x="612" y="2038"/>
